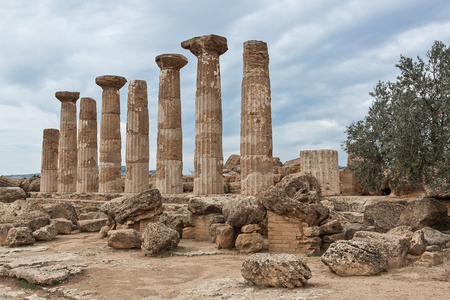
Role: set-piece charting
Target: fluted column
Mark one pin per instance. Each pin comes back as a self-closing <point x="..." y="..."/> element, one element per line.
<point x="169" y="155"/>
<point x="87" y="172"/>
<point x="67" y="152"/>
<point x="137" y="147"/>
<point x="110" y="141"/>
<point x="49" y="161"/>
<point x="208" y="156"/>
<point x="256" y="120"/>
<point x="324" y="165"/>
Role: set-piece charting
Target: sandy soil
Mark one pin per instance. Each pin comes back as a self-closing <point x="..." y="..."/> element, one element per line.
<point x="197" y="270"/>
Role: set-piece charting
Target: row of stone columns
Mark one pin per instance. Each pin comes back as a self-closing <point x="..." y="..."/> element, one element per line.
<point x="256" y="128"/>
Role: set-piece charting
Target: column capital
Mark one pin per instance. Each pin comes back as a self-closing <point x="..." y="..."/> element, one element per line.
<point x="206" y="43"/>
<point x="110" y="81"/>
<point x="171" y="61"/>
<point x="65" y="96"/>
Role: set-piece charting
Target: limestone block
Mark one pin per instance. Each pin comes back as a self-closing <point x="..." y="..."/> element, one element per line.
<point x="124" y="239"/>
<point x="249" y="242"/>
<point x="19" y="236"/>
<point x="225" y="237"/>
<point x="158" y="238"/>
<point x="91" y="225"/>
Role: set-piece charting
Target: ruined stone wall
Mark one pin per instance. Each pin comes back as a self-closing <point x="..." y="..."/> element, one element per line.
<point x="283" y="233"/>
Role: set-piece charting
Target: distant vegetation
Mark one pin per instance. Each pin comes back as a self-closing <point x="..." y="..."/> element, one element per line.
<point x="404" y="139"/>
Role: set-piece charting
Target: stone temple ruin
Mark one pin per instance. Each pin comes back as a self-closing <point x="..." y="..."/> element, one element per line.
<point x="252" y="203"/>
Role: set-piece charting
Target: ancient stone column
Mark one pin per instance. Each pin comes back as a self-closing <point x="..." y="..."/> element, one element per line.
<point x="49" y="162"/>
<point x="169" y="155"/>
<point x="256" y="120"/>
<point x="67" y="152"/>
<point x="87" y="172"/>
<point x="110" y="180"/>
<point x="324" y="165"/>
<point x="137" y="147"/>
<point x="208" y="156"/>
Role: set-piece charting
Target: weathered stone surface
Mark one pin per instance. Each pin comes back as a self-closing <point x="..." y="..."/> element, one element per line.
<point x="188" y="233"/>
<point x="435" y="237"/>
<point x="384" y="215"/>
<point x="110" y="165"/>
<point x="67" y="148"/>
<point x="249" y="242"/>
<point x="432" y="258"/>
<point x="49" y="161"/>
<point x="225" y="237"/>
<point x="406" y="231"/>
<point x="87" y="165"/>
<point x="331" y="227"/>
<point x="11" y="194"/>
<point x="4" y="229"/>
<point x="423" y="212"/>
<point x="275" y="270"/>
<point x="91" y="225"/>
<point x="137" y="141"/>
<point x="134" y="207"/>
<point x="6" y="181"/>
<point x="18" y="236"/>
<point x="256" y="121"/>
<point x="417" y="245"/>
<point x="158" y="238"/>
<point x="334" y="237"/>
<point x="24" y="213"/>
<point x="232" y="162"/>
<point x="354" y="258"/>
<point x="174" y="221"/>
<point x="44" y="275"/>
<point x="62" y="226"/>
<point x="291" y="196"/>
<point x="61" y="210"/>
<point x="38" y="222"/>
<point x="395" y="247"/>
<point x="321" y="210"/>
<point x="311" y="231"/>
<point x="208" y="156"/>
<point x="204" y="206"/>
<point x="92" y="215"/>
<point x="124" y="239"/>
<point x="244" y="210"/>
<point x="250" y="228"/>
<point x="323" y="165"/>
<point x="169" y="156"/>
<point x="46" y="233"/>
<point x="32" y="184"/>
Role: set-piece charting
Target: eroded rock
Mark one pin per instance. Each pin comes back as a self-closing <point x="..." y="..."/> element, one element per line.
<point x="275" y="270"/>
<point x="19" y="236"/>
<point x="354" y="258"/>
<point x="244" y="210"/>
<point x="249" y="242"/>
<point x="124" y="239"/>
<point x="158" y="238"/>
<point x="11" y="194"/>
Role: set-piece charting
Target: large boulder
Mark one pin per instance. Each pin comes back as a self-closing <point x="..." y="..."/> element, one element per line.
<point x="384" y="215"/>
<point x="233" y="162"/>
<point x="158" y="238"/>
<point x="332" y="227"/>
<point x="275" y="270"/>
<point x="435" y="237"/>
<point x="395" y="247"/>
<point x="174" y="221"/>
<point x="32" y="184"/>
<point x="124" y="239"/>
<point x="206" y="205"/>
<point x="11" y="194"/>
<point x="63" y="210"/>
<point x="249" y="242"/>
<point x="424" y="212"/>
<point x="225" y="237"/>
<point x="134" y="207"/>
<point x="354" y="258"/>
<point x="62" y="226"/>
<point x="22" y="213"/>
<point x="6" y="181"/>
<point x="244" y="210"/>
<point x="292" y="197"/>
<point x="417" y="245"/>
<point x="46" y="233"/>
<point x="19" y="236"/>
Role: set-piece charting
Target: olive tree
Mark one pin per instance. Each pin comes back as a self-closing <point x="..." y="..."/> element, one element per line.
<point x="405" y="135"/>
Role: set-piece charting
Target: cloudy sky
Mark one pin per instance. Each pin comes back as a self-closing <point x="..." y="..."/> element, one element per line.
<point x="325" y="57"/>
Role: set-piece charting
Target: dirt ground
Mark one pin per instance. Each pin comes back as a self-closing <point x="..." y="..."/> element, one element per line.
<point x="197" y="270"/>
